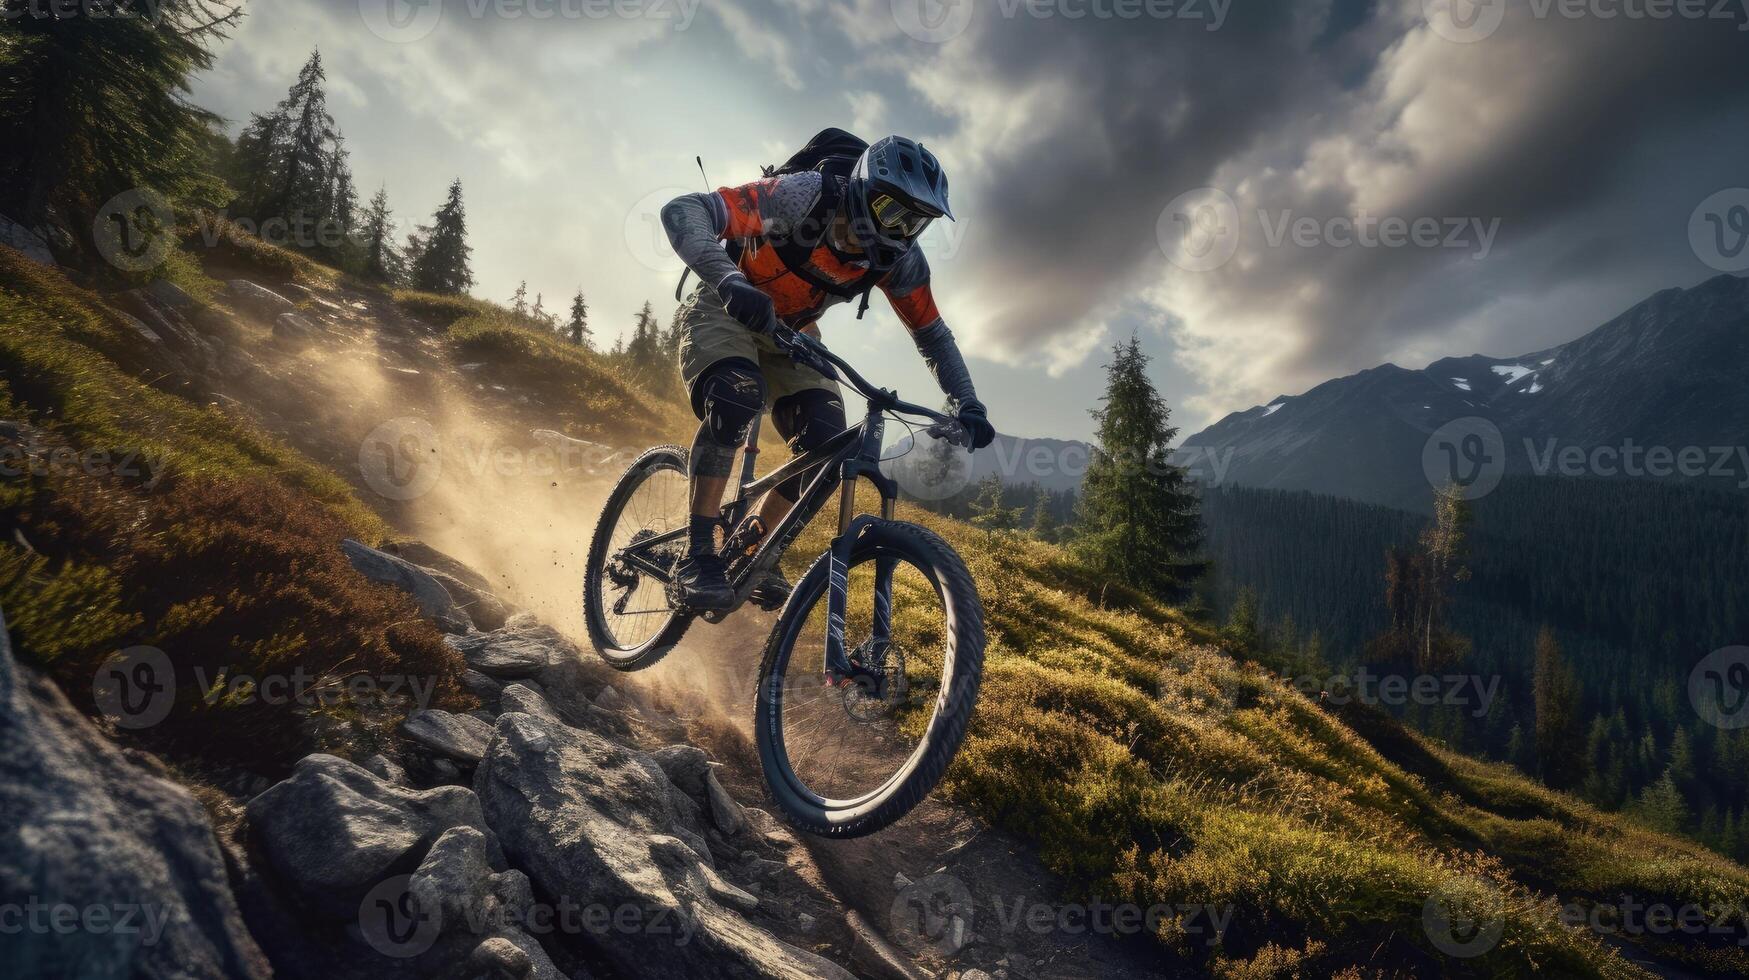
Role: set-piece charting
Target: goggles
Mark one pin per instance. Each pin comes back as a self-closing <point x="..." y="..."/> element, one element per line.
<point x="908" y="222"/>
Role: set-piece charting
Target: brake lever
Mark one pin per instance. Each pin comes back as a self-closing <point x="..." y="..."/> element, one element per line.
<point x="953" y="431"/>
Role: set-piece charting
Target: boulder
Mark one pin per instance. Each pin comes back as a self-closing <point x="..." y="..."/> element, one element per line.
<point x="686" y="766"/>
<point x="481" y="686"/>
<point x="434" y="602"/>
<point x="592" y="822"/>
<point x="527" y="699"/>
<point x="335" y="830"/>
<point x="460" y="737"/>
<point x="725" y="812"/>
<point x="504" y="654"/>
<point x="484" y="608"/>
<point x="387" y="768"/>
<point x="430" y="559"/>
<point x="258" y="300"/>
<point x="87" y="829"/>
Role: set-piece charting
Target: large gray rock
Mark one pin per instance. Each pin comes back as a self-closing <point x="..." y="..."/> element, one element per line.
<point x="335" y="830"/>
<point x="506" y="654"/>
<point x="434" y="602"/>
<point x="593" y="823"/>
<point x="484" y="608"/>
<point x="523" y="696"/>
<point x="457" y="736"/>
<point x="258" y="300"/>
<point x="82" y="828"/>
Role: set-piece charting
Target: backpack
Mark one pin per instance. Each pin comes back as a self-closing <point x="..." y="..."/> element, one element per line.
<point x="833" y="152"/>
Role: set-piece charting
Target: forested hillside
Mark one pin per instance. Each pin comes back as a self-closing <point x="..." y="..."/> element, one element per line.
<point x="1638" y="581"/>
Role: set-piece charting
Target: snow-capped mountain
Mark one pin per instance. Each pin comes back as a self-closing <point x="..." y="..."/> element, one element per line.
<point x="1670" y="375"/>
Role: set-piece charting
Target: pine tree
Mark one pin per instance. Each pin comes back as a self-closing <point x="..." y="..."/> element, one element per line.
<point x="1044" y="523"/>
<point x="579" y="325"/>
<point x="1243" y="629"/>
<point x="670" y="340"/>
<point x="442" y="262"/>
<point x="1662" y="807"/>
<point x="302" y="161"/>
<point x="988" y="509"/>
<point x="1557" y="712"/>
<point x="1517" y="748"/>
<point x="519" y="301"/>
<point x="95" y="106"/>
<point x="645" y="349"/>
<point x="382" y="261"/>
<point x="1139" y="520"/>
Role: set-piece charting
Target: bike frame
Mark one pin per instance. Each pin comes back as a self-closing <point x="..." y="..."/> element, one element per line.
<point x="837" y="464"/>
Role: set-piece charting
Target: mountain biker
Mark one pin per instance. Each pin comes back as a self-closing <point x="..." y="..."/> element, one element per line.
<point x="797" y="243"/>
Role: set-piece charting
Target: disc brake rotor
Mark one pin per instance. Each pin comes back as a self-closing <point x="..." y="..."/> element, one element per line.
<point x="877" y="685"/>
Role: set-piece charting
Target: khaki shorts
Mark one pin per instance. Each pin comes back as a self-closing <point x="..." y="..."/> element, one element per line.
<point x="708" y="334"/>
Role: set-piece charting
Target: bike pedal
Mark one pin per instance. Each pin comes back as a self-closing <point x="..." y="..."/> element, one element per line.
<point x="767" y="601"/>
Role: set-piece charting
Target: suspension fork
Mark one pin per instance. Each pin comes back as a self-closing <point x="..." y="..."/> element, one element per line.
<point x="850" y="527"/>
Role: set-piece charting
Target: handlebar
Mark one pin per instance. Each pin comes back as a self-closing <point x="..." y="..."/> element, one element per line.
<point x="787" y="337"/>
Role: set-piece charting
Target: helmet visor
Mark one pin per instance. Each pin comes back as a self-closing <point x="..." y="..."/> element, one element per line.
<point x="896" y="218"/>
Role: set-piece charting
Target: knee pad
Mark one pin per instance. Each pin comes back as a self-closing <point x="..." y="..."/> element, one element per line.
<point x="806" y="420"/>
<point x="731" y="395"/>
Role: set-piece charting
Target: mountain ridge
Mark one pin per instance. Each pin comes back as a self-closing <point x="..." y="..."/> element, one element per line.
<point x="1659" y="374"/>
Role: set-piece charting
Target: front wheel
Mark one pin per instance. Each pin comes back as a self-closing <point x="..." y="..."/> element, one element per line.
<point x="847" y="758"/>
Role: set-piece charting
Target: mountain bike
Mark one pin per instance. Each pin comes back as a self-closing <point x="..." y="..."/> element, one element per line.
<point x="870" y="674"/>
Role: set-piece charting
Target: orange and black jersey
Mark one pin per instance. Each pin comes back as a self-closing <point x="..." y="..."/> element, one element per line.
<point x="752" y="213"/>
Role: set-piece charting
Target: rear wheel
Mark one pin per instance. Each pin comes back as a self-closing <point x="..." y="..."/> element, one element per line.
<point x="847" y="759"/>
<point x="625" y="604"/>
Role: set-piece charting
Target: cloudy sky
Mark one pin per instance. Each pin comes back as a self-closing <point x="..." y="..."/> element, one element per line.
<point x="1270" y="194"/>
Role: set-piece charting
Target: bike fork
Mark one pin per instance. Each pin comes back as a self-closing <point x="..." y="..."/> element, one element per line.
<point x="838" y="663"/>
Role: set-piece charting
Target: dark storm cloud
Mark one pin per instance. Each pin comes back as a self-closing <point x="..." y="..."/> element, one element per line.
<point x="1540" y="131"/>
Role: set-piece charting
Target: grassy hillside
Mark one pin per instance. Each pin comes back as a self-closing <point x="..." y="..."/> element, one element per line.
<point x="1151" y="767"/>
<point x="130" y="516"/>
<point x="583" y="393"/>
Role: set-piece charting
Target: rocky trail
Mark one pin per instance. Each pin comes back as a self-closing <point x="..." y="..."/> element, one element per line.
<point x="580" y="823"/>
